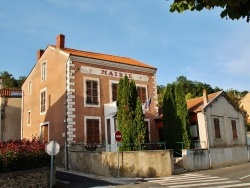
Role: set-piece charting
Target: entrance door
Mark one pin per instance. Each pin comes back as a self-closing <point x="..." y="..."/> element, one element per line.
<point x="45" y="133"/>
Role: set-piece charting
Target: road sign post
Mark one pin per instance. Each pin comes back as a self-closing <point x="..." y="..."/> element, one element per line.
<point x="118" y="138"/>
<point x="52" y="148"/>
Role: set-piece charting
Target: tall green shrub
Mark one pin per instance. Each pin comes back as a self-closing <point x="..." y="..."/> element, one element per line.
<point x="182" y="114"/>
<point x="129" y="115"/>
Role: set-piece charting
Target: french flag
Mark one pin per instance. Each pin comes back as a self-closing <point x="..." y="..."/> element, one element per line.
<point x="147" y="103"/>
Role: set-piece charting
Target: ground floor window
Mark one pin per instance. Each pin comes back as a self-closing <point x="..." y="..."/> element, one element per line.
<point x="92" y="131"/>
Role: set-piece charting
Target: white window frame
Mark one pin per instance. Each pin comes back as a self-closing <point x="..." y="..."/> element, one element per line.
<point x="41" y="91"/>
<point x="44" y="71"/>
<point x="85" y="128"/>
<point x="84" y="92"/>
<point x="110" y="88"/>
<point x="41" y="125"/>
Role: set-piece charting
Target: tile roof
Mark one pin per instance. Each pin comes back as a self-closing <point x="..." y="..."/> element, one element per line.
<point x="105" y="57"/>
<point x="196" y="104"/>
<point x="10" y="93"/>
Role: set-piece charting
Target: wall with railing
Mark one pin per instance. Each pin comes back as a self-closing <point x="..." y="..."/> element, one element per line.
<point x="144" y="163"/>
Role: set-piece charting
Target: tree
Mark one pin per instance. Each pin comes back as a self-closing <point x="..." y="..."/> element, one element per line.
<point x="129" y="115"/>
<point x="182" y="114"/>
<point x="170" y="125"/>
<point x="233" y="9"/>
<point x="175" y="117"/>
<point x="9" y="82"/>
<point x="139" y="128"/>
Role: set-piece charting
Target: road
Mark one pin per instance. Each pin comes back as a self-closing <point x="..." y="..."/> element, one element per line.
<point x="68" y="180"/>
<point x="228" y="177"/>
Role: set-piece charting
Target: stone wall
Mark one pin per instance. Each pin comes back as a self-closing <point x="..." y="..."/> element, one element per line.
<point x="38" y="178"/>
<point x="153" y="163"/>
<point x="200" y="159"/>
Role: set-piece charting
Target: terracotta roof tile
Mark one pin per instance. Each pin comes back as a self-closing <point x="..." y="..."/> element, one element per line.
<point x="105" y="57"/>
<point x="10" y="92"/>
<point x="196" y="104"/>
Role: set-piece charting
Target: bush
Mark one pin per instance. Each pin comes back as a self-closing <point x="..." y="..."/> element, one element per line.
<point x="23" y="154"/>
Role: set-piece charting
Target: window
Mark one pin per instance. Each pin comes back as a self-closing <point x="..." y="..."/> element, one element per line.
<point x="142" y="93"/>
<point x="43" y="71"/>
<point x="45" y="132"/>
<point x="234" y="129"/>
<point x="29" y="87"/>
<point x="92" y="131"/>
<point x="43" y="101"/>
<point x="217" y="128"/>
<point x="114" y="88"/>
<point x="29" y="118"/>
<point x="91" y="92"/>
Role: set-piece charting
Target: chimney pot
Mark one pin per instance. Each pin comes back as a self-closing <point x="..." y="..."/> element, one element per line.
<point x="60" y="41"/>
<point x="205" y="97"/>
<point x="39" y="54"/>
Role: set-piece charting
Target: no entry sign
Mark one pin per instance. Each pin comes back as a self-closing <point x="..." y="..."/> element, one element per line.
<point x="118" y="136"/>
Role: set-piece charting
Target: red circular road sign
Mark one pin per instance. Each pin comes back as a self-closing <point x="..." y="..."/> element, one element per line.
<point x="118" y="136"/>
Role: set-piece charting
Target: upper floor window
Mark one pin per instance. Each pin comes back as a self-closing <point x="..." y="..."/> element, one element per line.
<point x="43" y="71"/>
<point x="114" y="88"/>
<point x="217" y="128"/>
<point x="43" y="101"/>
<point x="29" y="87"/>
<point x="92" y="94"/>
<point x="234" y="129"/>
<point x="142" y="93"/>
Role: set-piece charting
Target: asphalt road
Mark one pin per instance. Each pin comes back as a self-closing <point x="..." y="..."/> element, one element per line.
<point x="68" y="180"/>
<point x="233" y="176"/>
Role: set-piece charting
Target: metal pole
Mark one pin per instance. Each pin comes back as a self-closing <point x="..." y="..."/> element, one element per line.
<point x="51" y="165"/>
<point x="118" y="166"/>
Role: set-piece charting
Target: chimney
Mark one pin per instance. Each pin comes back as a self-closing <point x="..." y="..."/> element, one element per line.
<point x="60" y="40"/>
<point x="39" y="54"/>
<point x="205" y="97"/>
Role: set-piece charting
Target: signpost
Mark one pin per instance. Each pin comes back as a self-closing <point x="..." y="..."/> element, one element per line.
<point x="52" y="148"/>
<point x="118" y="138"/>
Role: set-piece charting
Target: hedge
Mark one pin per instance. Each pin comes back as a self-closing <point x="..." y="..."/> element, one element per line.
<point x="22" y="155"/>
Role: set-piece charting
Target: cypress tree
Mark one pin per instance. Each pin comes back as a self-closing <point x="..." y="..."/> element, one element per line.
<point x="126" y="107"/>
<point x="182" y="114"/>
<point x="169" y="117"/>
<point x="139" y="129"/>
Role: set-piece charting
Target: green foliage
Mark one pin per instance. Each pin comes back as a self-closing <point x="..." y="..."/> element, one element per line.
<point x="129" y="115"/>
<point x="139" y="130"/>
<point x="233" y="9"/>
<point x="9" y="82"/>
<point x="182" y="114"/>
<point x="175" y="117"/>
<point x="22" y="154"/>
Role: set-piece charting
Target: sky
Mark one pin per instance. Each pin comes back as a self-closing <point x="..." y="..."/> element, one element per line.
<point x="198" y="45"/>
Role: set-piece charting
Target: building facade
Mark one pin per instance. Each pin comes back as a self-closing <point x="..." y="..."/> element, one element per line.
<point x="10" y="109"/>
<point x="70" y="95"/>
<point x="216" y="122"/>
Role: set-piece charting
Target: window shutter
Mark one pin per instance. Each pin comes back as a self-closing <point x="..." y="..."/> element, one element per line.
<point x="217" y="128"/>
<point x="93" y="131"/>
<point x="91" y="92"/>
<point x="114" y="92"/>
<point x="141" y="91"/>
<point x="234" y="129"/>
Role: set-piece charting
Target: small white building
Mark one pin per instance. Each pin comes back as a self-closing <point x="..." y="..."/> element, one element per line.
<point x="216" y="122"/>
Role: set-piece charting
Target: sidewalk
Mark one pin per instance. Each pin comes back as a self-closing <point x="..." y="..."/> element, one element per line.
<point x="120" y="180"/>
